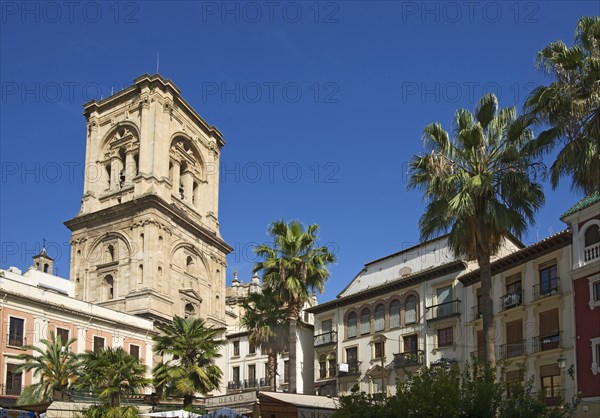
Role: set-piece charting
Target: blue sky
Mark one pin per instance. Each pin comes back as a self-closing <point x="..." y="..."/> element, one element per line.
<point x="321" y="104"/>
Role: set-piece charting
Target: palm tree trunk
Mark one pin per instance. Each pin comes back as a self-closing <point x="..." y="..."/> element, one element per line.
<point x="272" y="361"/>
<point x="487" y="309"/>
<point x="188" y="400"/>
<point x="292" y="357"/>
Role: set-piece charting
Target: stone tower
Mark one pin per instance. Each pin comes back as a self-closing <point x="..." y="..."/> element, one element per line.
<point x="43" y="262"/>
<point x="147" y="240"/>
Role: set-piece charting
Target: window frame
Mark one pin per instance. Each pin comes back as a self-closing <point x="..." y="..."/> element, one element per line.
<point x="10" y="367"/>
<point x="139" y="351"/>
<point x="13" y="337"/>
<point x="354" y="316"/>
<point x="95" y="347"/>
<point x="379" y="322"/>
<point x="236" y="348"/>
<point x="392" y="322"/>
<point x="447" y="342"/>
<point x="57" y="333"/>
<point x="414" y="311"/>
<point x="365" y="327"/>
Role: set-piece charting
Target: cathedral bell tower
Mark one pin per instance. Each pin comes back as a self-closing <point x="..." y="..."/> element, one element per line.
<point x="147" y="240"/>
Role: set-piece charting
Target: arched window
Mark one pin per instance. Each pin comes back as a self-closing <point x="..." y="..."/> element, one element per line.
<point x="351" y="325"/>
<point x="365" y="321"/>
<point x="322" y="366"/>
<point x="395" y="314"/>
<point x="379" y="317"/>
<point x="46" y="267"/>
<point x="189" y="264"/>
<point x="331" y="358"/>
<point x="410" y="310"/>
<point x="592" y="235"/>
<point x="110" y="253"/>
<point x="190" y="310"/>
<point x="110" y="287"/>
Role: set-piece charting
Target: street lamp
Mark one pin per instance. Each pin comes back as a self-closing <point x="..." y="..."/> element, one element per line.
<point x="562" y="362"/>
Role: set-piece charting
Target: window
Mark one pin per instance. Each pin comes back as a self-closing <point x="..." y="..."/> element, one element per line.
<point x="98" y="344"/>
<point x="445" y="337"/>
<point x="365" y="321"/>
<point x="444" y="299"/>
<point x="14" y="380"/>
<point x="16" y="332"/>
<point x="326" y="326"/>
<point x="252" y="374"/>
<point x="251" y="347"/>
<point x="548" y="280"/>
<point x="514" y="339"/>
<point x="379" y="317"/>
<point x="110" y="287"/>
<point x="549" y="337"/>
<point x="550" y="375"/>
<point x="410" y="343"/>
<point x="351" y="325"/>
<point x="395" y="314"/>
<point x="286" y="371"/>
<point x="596" y="287"/>
<point x="134" y="350"/>
<point x="63" y="334"/>
<point x="378" y="349"/>
<point x="352" y="357"/>
<point x="513" y="291"/>
<point x="410" y="310"/>
<point x="322" y="366"/>
<point x="592" y="235"/>
<point x="332" y="365"/>
<point x="236" y="348"/>
<point x="190" y="310"/>
<point x="513" y="378"/>
<point x="236" y="374"/>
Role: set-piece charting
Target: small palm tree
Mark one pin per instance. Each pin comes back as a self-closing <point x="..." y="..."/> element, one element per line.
<point x="294" y="267"/>
<point x="267" y="323"/>
<point x="570" y="106"/>
<point x="194" y="348"/>
<point x="54" y="364"/>
<point x="478" y="186"/>
<point x="112" y="373"/>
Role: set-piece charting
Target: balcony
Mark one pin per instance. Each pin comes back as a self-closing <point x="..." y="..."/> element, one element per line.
<point x="511" y="350"/>
<point x="591" y="253"/>
<point x="443" y="310"/>
<point x="409" y="359"/>
<point x="353" y="368"/>
<point x="554" y="396"/>
<point x="476" y="312"/>
<point x="546" y="289"/>
<point x="325" y="338"/>
<point x="247" y="384"/>
<point x="511" y="300"/>
<point x="549" y="342"/>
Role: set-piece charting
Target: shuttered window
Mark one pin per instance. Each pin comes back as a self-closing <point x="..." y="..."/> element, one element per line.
<point x="379" y="317"/>
<point x="351" y="325"/>
<point x="514" y="331"/>
<point x="395" y="314"/>
<point x="549" y="323"/>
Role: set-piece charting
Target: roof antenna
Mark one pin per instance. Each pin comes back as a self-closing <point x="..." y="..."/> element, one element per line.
<point x="157" y="61"/>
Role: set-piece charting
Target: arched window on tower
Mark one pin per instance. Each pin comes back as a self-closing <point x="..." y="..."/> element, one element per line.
<point x="46" y="267"/>
<point x="591" y="243"/>
<point x="190" y="310"/>
<point x="189" y="264"/>
<point x="110" y="287"/>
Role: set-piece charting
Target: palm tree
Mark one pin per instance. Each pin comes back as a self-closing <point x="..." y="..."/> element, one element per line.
<point x="267" y="323"/>
<point x="54" y="364"/>
<point x="294" y="267"/>
<point x="478" y="187"/>
<point x="570" y="106"/>
<point x="194" y="349"/>
<point x="112" y="373"/>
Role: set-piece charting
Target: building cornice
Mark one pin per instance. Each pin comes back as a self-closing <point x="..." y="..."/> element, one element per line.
<point x="540" y="248"/>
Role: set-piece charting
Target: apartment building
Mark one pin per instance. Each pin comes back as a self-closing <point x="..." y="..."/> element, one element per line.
<point x="399" y="313"/>
<point x="584" y="221"/>
<point x="245" y="369"/>
<point x="36" y="303"/>
<point x="534" y="322"/>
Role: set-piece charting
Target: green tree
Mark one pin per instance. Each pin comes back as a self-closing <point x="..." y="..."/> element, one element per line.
<point x="267" y="323"/>
<point x="478" y="187"/>
<point x="193" y="348"/>
<point x="570" y="106"/>
<point x="54" y="364"/>
<point x="294" y="267"/>
<point x="112" y="373"/>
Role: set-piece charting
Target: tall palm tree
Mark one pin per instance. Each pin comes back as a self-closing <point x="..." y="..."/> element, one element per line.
<point x="478" y="187"/>
<point x="295" y="267"/>
<point x="55" y="365"/>
<point x="112" y="373"/>
<point x="570" y="106"/>
<point x="194" y="348"/>
<point x="267" y="323"/>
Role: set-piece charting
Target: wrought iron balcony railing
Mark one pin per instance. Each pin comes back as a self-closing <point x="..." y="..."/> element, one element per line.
<point x="443" y="310"/>
<point x="511" y="300"/>
<point x="548" y="342"/>
<point x="476" y="312"/>
<point x="511" y="350"/>
<point x="545" y="289"/>
<point x="408" y="359"/>
<point x="353" y="368"/>
<point x="326" y="338"/>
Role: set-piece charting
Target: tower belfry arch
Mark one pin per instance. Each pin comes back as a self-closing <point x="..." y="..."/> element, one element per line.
<point x="148" y="197"/>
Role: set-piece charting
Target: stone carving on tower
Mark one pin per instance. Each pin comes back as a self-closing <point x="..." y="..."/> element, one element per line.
<point x="146" y="240"/>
